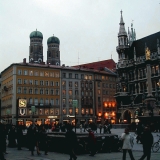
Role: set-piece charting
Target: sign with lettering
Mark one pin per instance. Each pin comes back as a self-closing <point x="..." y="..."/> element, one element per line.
<point x="75" y="103"/>
<point x="22" y="103"/>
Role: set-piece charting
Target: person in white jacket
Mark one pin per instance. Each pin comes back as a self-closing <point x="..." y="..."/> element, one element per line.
<point x="127" y="144"/>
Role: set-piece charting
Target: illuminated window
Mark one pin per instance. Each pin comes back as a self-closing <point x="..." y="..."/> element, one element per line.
<point x="70" y="111"/>
<point x="87" y="111"/>
<point x="63" y="83"/>
<point x="91" y="111"/>
<point x="76" y="84"/>
<point x="76" y="110"/>
<point x="103" y="77"/>
<point x="64" y="92"/>
<point x="51" y="111"/>
<point x="64" y="110"/>
<point x="70" y="92"/>
<point x="83" y="111"/>
<point x="86" y="77"/>
<point x="56" y="111"/>
<point x="47" y="74"/>
<point x="99" y="91"/>
<point x="40" y="111"/>
<point x="90" y="77"/>
<point x="31" y="73"/>
<point x="46" y="111"/>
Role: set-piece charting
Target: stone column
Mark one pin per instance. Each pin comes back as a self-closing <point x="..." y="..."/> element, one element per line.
<point x="149" y="82"/>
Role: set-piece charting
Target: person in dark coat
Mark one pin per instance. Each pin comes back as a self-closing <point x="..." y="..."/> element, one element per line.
<point x="71" y="142"/>
<point x="43" y="140"/>
<point x="92" y="142"/>
<point x="31" y="137"/>
<point x="12" y="137"/>
<point x="2" y="141"/>
<point x="19" y="137"/>
<point x="147" y="141"/>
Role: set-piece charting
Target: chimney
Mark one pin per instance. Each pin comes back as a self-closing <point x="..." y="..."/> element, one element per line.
<point x="24" y="60"/>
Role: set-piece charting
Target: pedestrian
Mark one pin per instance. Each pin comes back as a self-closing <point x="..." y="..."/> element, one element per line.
<point x="12" y="137"/>
<point x="71" y="142"/>
<point x="147" y="141"/>
<point x="31" y="135"/>
<point x="100" y="128"/>
<point x="43" y="140"/>
<point x="127" y="144"/>
<point x="92" y="142"/>
<point x="19" y="137"/>
<point x="2" y="141"/>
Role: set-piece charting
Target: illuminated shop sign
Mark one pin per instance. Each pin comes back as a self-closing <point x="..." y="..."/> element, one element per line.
<point x="22" y="103"/>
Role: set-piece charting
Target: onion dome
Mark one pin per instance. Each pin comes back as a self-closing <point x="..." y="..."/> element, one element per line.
<point x="53" y="39"/>
<point x="36" y="34"/>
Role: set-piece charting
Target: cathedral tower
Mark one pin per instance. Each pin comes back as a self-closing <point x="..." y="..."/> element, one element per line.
<point x="36" y="47"/>
<point x="53" y="53"/>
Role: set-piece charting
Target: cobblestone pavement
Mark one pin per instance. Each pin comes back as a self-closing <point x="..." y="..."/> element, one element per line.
<point x="24" y="154"/>
<point x="14" y="154"/>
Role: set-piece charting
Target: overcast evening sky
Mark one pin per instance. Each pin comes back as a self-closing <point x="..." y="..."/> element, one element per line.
<point x="87" y="28"/>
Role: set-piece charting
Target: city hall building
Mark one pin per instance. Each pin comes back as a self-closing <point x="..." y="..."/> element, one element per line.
<point x="138" y="70"/>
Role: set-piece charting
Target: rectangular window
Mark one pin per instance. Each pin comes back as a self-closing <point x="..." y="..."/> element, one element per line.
<point x="36" y="91"/>
<point x="57" y="101"/>
<point x="87" y="111"/>
<point x="70" y="101"/>
<point x="86" y="77"/>
<point x="36" y="82"/>
<point x="91" y="93"/>
<point x="70" y="111"/>
<point x="63" y="83"/>
<point x="19" y="90"/>
<point x="98" y="84"/>
<point x="99" y="91"/>
<point x="51" y="83"/>
<point x="25" y="72"/>
<point x="52" y="111"/>
<point x="76" y="92"/>
<point x="41" y="74"/>
<point x="70" y="84"/>
<point x="103" y="77"/>
<point x="36" y="73"/>
<point x="110" y="85"/>
<point x="41" y="101"/>
<point x="57" y="92"/>
<point x="51" y="74"/>
<point x="47" y="92"/>
<point x="46" y="74"/>
<point x="83" y="111"/>
<point x="91" y="111"/>
<point x="57" y="75"/>
<point x="64" y="111"/>
<point x="90" y="77"/>
<point x="41" y="83"/>
<point x="25" y="81"/>
<point x="70" y="92"/>
<point x="57" y="83"/>
<point x="47" y="101"/>
<point x="41" y="91"/>
<point x="82" y="76"/>
<point x="46" y="111"/>
<point x="52" y="102"/>
<point x="64" y="75"/>
<point x="76" y="84"/>
<point x="31" y="73"/>
<point x="36" y="101"/>
<point x="19" y="72"/>
<point x="30" y="91"/>
<point x="19" y="81"/>
<point x="70" y="75"/>
<point x="64" y="92"/>
<point x="41" y="111"/>
<point x="31" y="82"/>
<point x="47" y="83"/>
<point x="52" y="92"/>
<point x="76" y="110"/>
<point x="25" y="90"/>
<point x="64" y="101"/>
<point x="76" y="76"/>
<point x="57" y="111"/>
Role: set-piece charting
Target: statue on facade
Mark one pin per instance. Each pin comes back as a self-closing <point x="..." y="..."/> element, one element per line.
<point x="148" y="54"/>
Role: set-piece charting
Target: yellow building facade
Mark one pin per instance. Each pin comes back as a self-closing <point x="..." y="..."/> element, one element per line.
<point x="39" y="85"/>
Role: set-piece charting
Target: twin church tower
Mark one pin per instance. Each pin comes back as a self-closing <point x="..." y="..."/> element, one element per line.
<point x="36" y="49"/>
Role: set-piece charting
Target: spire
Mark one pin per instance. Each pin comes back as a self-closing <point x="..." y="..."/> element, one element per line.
<point x="122" y="30"/>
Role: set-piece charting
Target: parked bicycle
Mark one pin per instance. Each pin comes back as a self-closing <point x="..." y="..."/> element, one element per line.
<point x="156" y="145"/>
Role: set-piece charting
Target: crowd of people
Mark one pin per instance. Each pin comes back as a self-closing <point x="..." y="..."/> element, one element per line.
<point x="37" y="138"/>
